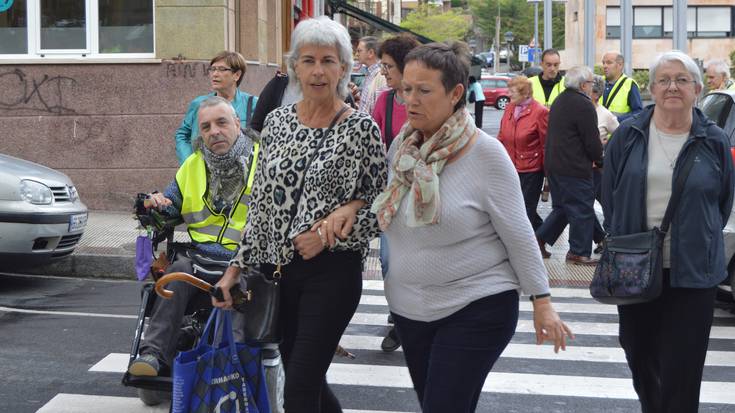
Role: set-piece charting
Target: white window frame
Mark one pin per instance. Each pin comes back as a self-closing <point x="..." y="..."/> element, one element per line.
<point x="91" y="53"/>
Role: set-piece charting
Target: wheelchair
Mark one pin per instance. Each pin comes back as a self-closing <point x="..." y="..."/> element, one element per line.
<point x="154" y="390"/>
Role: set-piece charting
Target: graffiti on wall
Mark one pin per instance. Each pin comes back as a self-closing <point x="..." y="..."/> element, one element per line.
<point x="45" y="94"/>
<point x="186" y="70"/>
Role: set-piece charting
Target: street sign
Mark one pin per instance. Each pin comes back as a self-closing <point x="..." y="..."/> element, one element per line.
<point x="523" y="54"/>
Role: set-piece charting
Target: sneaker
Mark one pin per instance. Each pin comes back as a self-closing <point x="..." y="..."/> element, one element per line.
<point x="391" y="342"/>
<point x="145" y="365"/>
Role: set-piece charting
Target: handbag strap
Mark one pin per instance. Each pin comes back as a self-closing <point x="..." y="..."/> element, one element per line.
<point x="297" y="197"/>
<point x="679" y="187"/>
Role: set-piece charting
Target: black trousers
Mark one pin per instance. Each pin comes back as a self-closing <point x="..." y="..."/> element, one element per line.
<point x="665" y="342"/>
<point x="318" y="299"/>
<point x="531" y="184"/>
<point x="449" y="359"/>
<point x="479" y="110"/>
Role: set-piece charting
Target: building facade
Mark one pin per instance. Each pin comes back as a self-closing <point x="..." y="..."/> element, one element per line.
<point x="710" y="27"/>
<point x="97" y="88"/>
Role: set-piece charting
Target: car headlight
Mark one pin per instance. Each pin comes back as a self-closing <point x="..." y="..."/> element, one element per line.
<point x="35" y="192"/>
<point x="73" y="194"/>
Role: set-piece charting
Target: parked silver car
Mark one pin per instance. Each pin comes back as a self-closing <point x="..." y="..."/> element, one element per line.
<point x="41" y="215"/>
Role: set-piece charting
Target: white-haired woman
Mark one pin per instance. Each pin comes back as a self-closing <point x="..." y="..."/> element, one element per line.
<point x="317" y="237"/>
<point x="665" y="340"/>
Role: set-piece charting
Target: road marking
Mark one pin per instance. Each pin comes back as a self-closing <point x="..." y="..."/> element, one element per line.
<point x="526" y="326"/>
<point x="532" y="351"/>
<point x="83" y="403"/>
<point x="521" y="383"/>
<point x="66" y="313"/>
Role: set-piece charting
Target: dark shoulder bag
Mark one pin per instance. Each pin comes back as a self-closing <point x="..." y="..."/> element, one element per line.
<point x="388" y="127"/>
<point x="630" y="270"/>
<point x="263" y="292"/>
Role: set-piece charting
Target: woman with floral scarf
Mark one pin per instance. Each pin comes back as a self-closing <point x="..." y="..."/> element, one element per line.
<point x="460" y="243"/>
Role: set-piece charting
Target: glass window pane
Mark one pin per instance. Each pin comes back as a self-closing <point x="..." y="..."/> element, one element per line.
<point x="126" y="26"/>
<point x="691" y="20"/>
<point x="668" y="19"/>
<point x="13" y="29"/>
<point x="613" y="16"/>
<point x="713" y="21"/>
<point x="63" y="24"/>
<point x="647" y="22"/>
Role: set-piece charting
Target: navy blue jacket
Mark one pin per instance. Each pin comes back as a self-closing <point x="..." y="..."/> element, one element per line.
<point x="697" y="250"/>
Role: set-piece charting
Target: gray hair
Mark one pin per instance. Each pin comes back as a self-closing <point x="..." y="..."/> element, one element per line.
<point x="213" y="101"/>
<point x="598" y="87"/>
<point x="720" y="66"/>
<point x="370" y="42"/>
<point x="576" y="76"/>
<point x="619" y="58"/>
<point x="322" y="31"/>
<point x="675" y="56"/>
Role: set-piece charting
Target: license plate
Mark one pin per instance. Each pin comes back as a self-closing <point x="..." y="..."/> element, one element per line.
<point x="77" y="222"/>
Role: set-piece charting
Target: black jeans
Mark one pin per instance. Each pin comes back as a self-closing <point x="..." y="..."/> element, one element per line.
<point x="318" y="299"/>
<point x="665" y="342"/>
<point x="449" y="359"/>
<point x="531" y="184"/>
<point x="479" y="111"/>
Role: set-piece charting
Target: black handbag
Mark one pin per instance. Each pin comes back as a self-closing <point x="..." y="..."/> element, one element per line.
<point x="630" y="270"/>
<point x="261" y="309"/>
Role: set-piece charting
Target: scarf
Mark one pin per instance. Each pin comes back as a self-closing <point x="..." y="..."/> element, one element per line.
<point x="520" y="107"/>
<point x="225" y="172"/>
<point x="416" y="168"/>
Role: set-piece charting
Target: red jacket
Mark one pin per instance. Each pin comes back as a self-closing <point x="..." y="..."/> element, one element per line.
<point x="524" y="138"/>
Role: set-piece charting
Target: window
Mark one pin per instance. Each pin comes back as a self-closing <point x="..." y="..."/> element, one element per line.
<point x="613" y="22"/>
<point x="647" y="22"/>
<point x="657" y="22"/>
<point x="76" y="28"/>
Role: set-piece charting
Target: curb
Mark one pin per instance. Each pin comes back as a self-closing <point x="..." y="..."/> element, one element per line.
<point x="87" y="266"/>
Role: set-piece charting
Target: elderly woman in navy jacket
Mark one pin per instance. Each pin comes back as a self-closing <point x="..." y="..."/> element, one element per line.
<point x="665" y="340"/>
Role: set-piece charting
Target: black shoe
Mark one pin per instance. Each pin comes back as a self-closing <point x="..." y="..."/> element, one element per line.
<point x="390" y="318"/>
<point x="145" y="365"/>
<point x="599" y="247"/>
<point x="391" y="342"/>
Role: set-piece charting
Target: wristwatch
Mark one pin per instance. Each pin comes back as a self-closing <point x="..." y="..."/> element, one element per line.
<point x="537" y="296"/>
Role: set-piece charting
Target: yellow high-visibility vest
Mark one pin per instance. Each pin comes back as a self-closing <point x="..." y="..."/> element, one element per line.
<point x="617" y="99"/>
<point x="203" y="223"/>
<point x="538" y="91"/>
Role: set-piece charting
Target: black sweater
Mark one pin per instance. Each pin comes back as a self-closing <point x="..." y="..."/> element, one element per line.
<point x="573" y="140"/>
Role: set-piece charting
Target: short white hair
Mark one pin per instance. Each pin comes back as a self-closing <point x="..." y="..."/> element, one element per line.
<point x="720" y="67"/>
<point x="322" y="31"/>
<point x="675" y="56"/>
<point x="576" y="76"/>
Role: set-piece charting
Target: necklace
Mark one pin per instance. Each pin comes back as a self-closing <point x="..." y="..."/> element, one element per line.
<point x="671" y="159"/>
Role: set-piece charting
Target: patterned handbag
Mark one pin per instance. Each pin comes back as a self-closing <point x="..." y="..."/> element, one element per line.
<point x="630" y="270"/>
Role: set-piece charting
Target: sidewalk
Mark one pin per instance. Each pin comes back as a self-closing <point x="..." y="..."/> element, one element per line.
<point x="107" y="250"/>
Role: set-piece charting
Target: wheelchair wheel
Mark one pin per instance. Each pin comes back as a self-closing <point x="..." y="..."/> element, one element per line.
<point x="153" y="397"/>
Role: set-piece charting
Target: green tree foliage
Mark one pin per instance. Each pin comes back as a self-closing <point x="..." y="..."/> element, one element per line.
<point x="517" y="16"/>
<point x="431" y="21"/>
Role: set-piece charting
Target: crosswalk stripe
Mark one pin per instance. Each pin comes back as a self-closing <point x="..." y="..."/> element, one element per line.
<point x="83" y="403"/>
<point x="525" y="305"/>
<point x="521" y="383"/>
<point x="526" y="326"/>
<point x="532" y="351"/>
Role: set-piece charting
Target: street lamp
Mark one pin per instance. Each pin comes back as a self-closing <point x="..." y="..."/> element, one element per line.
<point x="508" y="40"/>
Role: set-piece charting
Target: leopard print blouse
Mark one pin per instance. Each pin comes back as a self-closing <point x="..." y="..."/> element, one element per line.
<point x="350" y="165"/>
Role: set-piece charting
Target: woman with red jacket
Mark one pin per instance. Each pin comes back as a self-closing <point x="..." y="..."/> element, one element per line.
<point x="523" y="133"/>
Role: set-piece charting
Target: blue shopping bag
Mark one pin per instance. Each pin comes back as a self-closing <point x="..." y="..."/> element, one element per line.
<point x="211" y="378"/>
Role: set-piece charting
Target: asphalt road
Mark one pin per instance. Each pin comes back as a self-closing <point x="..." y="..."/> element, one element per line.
<point x="64" y="344"/>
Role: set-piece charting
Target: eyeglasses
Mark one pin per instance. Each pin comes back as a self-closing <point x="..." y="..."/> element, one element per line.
<point x="387" y="66"/>
<point x="680" y="82"/>
<point x="220" y="69"/>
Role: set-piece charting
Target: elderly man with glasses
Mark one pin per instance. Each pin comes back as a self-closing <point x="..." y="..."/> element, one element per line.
<point x="226" y="71"/>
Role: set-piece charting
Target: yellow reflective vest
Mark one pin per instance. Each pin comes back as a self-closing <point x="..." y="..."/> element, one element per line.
<point x="617" y="99"/>
<point x="203" y="222"/>
<point x="538" y="91"/>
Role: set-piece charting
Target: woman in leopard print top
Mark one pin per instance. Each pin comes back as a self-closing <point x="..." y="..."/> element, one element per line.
<point x="321" y="239"/>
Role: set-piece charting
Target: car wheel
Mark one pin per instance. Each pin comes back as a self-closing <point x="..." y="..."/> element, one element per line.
<point x="502" y="102"/>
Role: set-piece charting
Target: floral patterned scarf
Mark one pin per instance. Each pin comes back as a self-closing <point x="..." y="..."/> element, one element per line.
<point x="416" y="168"/>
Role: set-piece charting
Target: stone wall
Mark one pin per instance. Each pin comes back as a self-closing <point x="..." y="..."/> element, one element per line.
<point x="110" y="127"/>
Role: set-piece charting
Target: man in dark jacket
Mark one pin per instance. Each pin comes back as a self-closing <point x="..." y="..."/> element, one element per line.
<point x="572" y="146"/>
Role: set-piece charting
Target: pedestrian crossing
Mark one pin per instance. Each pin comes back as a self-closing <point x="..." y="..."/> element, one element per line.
<point x="591" y="376"/>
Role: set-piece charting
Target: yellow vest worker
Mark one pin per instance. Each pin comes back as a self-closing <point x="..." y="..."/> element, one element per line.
<point x="617" y="100"/>
<point x="538" y="91"/>
<point x="204" y="223"/>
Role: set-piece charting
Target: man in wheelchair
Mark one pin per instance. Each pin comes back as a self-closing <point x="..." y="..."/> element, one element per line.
<point x="210" y="194"/>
